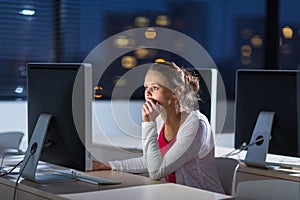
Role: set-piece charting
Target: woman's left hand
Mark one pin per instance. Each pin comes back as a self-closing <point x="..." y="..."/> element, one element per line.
<point x="100" y="166"/>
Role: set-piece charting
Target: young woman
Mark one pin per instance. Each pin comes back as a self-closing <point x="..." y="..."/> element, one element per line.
<point x="177" y="139"/>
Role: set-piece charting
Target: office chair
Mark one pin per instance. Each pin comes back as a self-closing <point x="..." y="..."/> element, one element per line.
<point x="10" y="141"/>
<point x="268" y="190"/>
<point x="226" y="168"/>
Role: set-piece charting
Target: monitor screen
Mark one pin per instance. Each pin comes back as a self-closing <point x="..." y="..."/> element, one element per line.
<point x="268" y="90"/>
<point x="63" y="90"/>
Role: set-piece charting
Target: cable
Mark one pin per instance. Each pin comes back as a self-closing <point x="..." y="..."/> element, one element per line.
<point x="14" y="167"/>
<point x="235" y="151"/>
<point x="9" y="153"/>
<point x="242" y="148"/>
<point x="4" y="172"/>
<point x="32" y="151"/>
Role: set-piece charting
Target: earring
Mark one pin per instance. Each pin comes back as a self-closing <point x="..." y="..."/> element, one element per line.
<point x="177" y="106"/>
<point x="169" y="101"/>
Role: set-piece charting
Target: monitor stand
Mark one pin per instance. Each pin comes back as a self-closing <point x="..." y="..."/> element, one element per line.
<point x="32" y="155"/>
<point x="259" y="143"/>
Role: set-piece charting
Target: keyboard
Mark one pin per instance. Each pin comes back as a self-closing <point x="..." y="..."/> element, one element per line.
<point x="287" y="164"/>
<point x="85" y="177"/>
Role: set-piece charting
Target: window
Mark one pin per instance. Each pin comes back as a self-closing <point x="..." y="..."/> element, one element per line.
<point x="233" y="32"/>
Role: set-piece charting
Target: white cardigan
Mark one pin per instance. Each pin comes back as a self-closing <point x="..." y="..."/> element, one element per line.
<point x="191" y="156"/>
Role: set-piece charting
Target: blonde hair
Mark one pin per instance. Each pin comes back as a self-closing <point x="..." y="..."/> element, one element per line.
<point x="182" y="82"/>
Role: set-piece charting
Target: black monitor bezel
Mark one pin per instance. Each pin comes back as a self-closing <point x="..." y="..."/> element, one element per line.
<point x="63" y="145"/>
<point x="246" y="112"/>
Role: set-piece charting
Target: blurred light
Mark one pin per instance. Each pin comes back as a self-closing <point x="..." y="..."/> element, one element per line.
<point x="22" y="70"/>
<point x="141" y="53"/>
<point x="128" y="62"/>
<point x="98" y="96"/>
<point x="150" y="33"/>
<point x="162" y="20"/>
<point x="246" y="60"/>
<point x="256" y="41"/>
<point x="246" y="33"/>
<point x="23" y="73"/>
<point x="141" y="21"/>
<point x="287" y="32"/>
<point x="121" y="41"/>
<point x="159" y="60"/>
<point x="19" y="89"/>
<point x="246" y="50"/>
<point x="98" y="87"/>
<point x="27" y="12"/>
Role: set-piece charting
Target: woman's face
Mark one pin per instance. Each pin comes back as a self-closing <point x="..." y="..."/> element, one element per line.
<point x="156" y="88"/>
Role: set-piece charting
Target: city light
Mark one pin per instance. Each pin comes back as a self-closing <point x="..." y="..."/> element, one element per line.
<point x="27" y="12"/>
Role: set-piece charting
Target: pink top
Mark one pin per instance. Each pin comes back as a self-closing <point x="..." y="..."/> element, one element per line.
<point x="164" y="146"/>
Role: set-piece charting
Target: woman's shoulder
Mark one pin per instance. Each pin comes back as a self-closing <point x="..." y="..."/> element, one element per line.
<point x="194" y="119"/>
<point x="197" y="115"/>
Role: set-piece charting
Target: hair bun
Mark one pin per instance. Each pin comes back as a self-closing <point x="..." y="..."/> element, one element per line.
<point x="192" y="80"/>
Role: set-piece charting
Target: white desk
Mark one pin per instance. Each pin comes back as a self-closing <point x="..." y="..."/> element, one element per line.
<point x="150" y="192"/>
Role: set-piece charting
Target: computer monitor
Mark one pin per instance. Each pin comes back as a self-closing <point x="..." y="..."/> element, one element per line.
<point x="207" y="93"/>
<point x="271" y="91"/>
<point x="59" y="116"/>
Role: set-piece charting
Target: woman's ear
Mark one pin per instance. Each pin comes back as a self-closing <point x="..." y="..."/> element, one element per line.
<point x="177" y="92"/>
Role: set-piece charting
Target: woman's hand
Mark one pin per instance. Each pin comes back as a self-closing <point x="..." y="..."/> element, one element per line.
<point x="150" y="110"/>
<point x="100" y="166"/>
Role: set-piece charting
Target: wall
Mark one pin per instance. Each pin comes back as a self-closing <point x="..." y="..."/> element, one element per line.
<point x="13" y="117"/>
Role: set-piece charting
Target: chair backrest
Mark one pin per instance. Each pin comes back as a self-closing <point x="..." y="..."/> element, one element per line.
<point x="226" y="168"/>
<point x="11" y="140"/>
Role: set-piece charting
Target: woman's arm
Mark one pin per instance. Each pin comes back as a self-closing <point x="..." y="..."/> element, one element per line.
<point x="132" y="165"/>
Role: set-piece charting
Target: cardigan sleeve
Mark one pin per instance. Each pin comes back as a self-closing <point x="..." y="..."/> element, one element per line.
<point x="132" y="165"/>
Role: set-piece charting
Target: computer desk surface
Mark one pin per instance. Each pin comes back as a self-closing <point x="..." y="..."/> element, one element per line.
<point x="133" y="186"/>
<point x="246" y="173"/>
